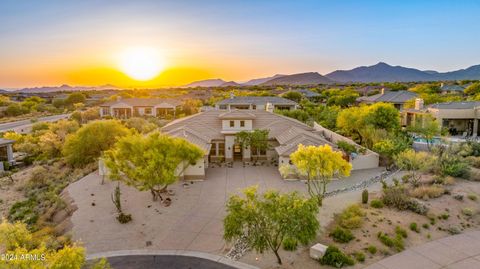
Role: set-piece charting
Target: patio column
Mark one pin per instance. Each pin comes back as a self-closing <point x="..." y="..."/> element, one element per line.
<point x="475" y="127"/>
<point x="10" y="153"/>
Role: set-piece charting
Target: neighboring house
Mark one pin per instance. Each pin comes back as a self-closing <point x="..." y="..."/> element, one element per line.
<point x="459" y="118"/>
<point x="445" y="88"/>
<point x="131" y="107"/>
<point x="310" y="95"/>
<point x="256" y="103"/>
<point x="214" y="132"/>
<point x="397" y="98"/>
<point x="6" y="153"/>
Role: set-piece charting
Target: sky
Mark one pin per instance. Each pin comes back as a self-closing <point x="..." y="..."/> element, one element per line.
<point x="47" y="43"/>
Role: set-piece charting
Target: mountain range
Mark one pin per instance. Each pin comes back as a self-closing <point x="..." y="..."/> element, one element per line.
<point x="380" y="72"/>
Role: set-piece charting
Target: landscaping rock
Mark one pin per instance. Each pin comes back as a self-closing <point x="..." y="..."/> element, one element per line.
<point x="317" y="251"/>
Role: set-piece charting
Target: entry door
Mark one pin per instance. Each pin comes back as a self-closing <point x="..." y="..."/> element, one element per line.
<point x="237" y="152"/>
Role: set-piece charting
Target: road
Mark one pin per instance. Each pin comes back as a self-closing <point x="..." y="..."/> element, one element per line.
<point x="25" y="126"/>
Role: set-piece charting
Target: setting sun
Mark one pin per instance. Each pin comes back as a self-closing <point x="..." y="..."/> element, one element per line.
<point x="141" y="63"/>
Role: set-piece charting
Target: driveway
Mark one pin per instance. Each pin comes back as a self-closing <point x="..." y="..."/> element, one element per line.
<point x="193" y="222"/>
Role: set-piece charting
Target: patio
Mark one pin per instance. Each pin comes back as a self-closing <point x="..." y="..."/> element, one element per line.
<point x="193" y="222"/>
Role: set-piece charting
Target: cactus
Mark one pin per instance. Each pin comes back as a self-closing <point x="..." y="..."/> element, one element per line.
<point x="116" y="199"/>
<point x="365" y="196"/>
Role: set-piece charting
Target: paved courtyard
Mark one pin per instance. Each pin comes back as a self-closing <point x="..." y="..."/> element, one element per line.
<point x="455" y="252"/>
<point x="193" y="222"/>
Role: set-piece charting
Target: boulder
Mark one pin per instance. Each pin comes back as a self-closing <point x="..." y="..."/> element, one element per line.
<point x="317" y="251"/>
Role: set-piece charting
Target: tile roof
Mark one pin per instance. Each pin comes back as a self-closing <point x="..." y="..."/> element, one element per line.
<point x="389" y="97"/>
<point x="257" y="100"/>
<point x="452" y="88"/>
<point x="237" y="114"/>
<point x="4" y="141"/>
<point x="206" y="126"/>
<point x="308" y="93"/>
<point x="456" y="105"/>
<point x="145" y="102"/>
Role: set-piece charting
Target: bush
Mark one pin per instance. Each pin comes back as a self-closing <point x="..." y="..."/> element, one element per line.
<point x="376" y="203"/>
<point x="39" y="176"/>
<point x="428" y="192"/>
<point x="388" y="241"/>
<point x="401" y="232"/>
<point x="341" y="235"/>
<point x="455" y="167"/>
<point x="472" y="197"/>
<point x="396" y="196"/>
<point x="426" y="226"/>
<point x="359" y="256"/>
<point x="336" y="258"/>
<point x="467" y="211"/>
<point x="23" y="211"/>
<point x="473" y="161"/>
<point x="365" y="196"/>
<point x="124" y="218"/>
<point x="372" y="249"/>
<point x="346" y="147"/>
<point x="396" y="243"/>
<point x="414" y="227"/>
<point x="351" y="217"/>
<point x="290" y="244"/>
<point x="417" y="207"/>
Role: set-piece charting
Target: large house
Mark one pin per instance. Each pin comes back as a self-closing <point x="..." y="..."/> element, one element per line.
<point x="256" y="103"/>
<point x="131" y="107"/>
<point x="397" y="98"/>
<point x="459" y="118"/>
<point x="214" y="132"/>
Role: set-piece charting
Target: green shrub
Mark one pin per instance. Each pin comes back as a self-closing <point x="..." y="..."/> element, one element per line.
<point x="472" y="197"/>
<point x="23" y="211"/>
<point x="376" y="203"/>
<point x="473" y="161"/>
<point x="124" y="218"/>
<point x="359" y="256"/>
<point x="351" y="217"/>
<point x="341" y="235"/>
<point x="290" y="244"/>
<point x="388" y="241"/>
<point x="346" y="147"/>
<point x="396" y="197"/>
<point x="414" y="227"/>
<point x="426" y="226"/>
<point x="372" y="249"/>
<point x="467" y="211"/>
<point x="365" y="196"/>
<point x="444" y="216"/>
<point x="455" y="167"/>
<point x="401" y="232"/>
<point x="336" y="258"/>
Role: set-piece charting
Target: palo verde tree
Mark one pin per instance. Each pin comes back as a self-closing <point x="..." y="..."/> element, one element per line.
<point x="319" y="165"/>
<point x="151" y="162"/>
<point x="256" y="140"/>
<point x="267" y="220"/>
<point x="426" y="127"/>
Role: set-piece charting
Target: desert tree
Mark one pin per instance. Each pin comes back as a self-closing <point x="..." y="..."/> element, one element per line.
<point x="152" y="162"/>
<point x="413" y="162"/>
<point x="255" y="140"/>
<point x="267" y="220"/>
<point x="319" y="164"/>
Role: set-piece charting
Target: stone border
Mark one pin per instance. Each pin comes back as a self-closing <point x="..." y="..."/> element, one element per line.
<point x="196" y="254"/>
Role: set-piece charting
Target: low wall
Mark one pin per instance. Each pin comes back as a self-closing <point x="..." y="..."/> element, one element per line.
<point x="363" y="161"/>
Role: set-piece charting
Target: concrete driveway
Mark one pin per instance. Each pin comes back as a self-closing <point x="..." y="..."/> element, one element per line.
<point x="193" y="222"/>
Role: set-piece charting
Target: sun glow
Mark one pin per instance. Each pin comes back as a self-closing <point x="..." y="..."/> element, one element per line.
<point x="141" y="63"/>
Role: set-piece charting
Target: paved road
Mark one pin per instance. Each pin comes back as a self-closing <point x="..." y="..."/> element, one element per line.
<point x="24" y="126"/>
<point x="454" y="252"/>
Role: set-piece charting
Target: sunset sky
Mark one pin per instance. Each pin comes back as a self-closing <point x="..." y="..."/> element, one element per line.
<point x="45" y="43"/>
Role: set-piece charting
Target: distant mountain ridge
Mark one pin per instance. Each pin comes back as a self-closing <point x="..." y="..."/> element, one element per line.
<point x="300" y="79"/>
<point x="67" y="88"/>
<point x="383" y="72"/>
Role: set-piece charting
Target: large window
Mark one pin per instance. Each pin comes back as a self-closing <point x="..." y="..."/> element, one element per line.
<point x="223" y="106"/>
<point x="105" y="111"/>
<point x="256" y="152"/>
<point x="232" y="123"/>
<point x="242" y="123"/>
<point x="148" y="110"/>
<point x="221" y="149"/>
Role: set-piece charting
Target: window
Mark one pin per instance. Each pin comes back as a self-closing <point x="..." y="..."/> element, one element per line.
<point x="213" y="150"/>
<point x="221" y="149"/>
<point x="242" y="123"/>
<point x="232" y="123"/>
<point x="148" y="110"/>
<point x="223" y="106"/>
<point x="254" y="106"/>
<point x="105" y="110"/>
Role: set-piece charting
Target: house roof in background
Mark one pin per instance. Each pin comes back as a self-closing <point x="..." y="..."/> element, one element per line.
<point x="256" y="100"/>
<point x="389" y="97"/>
<point x="237" y="114"/>
<point x="144" y="102"/>
<point x="308" y="93"/>
<point x="456" y="105"/>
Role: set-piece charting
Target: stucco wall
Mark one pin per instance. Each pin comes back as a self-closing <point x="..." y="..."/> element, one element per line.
<point x="229" y="142"/>
<point x="363" y="161"/>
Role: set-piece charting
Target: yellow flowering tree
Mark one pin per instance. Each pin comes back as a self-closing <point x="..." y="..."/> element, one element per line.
<point x="319" y="165"/>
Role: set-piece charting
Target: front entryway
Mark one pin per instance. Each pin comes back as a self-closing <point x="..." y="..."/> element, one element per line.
<point x="237" y="152"/>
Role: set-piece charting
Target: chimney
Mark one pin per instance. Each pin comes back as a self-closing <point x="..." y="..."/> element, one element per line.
<point x="418" y="103"/>
<point x="232" y="95"/>
<point x="269" y="107"/>
<point x="119" y="98"/>
<point x="382" y="91"/>
<point x="441" y="85"/>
